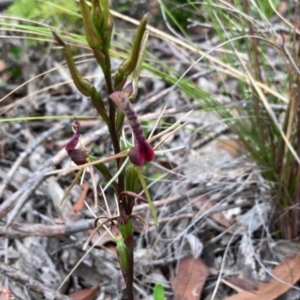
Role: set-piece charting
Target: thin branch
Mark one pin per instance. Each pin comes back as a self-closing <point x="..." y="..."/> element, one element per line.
<point x="21" y="230"/>
<point x="27" y="152"/>
<point x="16" y="201"/>
<point x="30" y="283"/>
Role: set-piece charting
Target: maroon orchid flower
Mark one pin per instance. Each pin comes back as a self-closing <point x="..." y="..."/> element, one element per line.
<point x="142" y="151"/>
<point x="78" y="156"/>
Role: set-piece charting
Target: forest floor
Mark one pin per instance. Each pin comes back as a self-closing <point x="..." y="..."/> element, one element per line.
<point x="213" y="202"/>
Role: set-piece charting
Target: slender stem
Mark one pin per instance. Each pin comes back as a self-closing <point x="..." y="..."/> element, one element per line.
<point x="107" y="73"/>
<point x="112" y="106"/>
<point x="129" y="284"/>
<point x="99" y="105"/>
<point x="112" y="116"/>
<point x="29" y="283"/>
<point x="126" y="229"/>
<point x="103" y="60"/>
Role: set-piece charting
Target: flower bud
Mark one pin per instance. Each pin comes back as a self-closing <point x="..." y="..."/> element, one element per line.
<point x="83" y="85"/>
<point x="93" y="38"/>
<point x="128" y="66"/>
<point x="103" y="21"/>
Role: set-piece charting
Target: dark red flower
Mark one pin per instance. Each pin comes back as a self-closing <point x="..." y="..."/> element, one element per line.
<point x="142" y="151"/>
<point x="78" y="156"/>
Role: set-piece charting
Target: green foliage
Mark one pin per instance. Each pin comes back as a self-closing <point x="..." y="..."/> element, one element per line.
<point x="270" y="137"/>
<point x="180" y="12"/>
<point x="16" y="52"/>
<point x="14" y="55"/>
<point x="53" y="13"/>
<point x="158" y="292"/>
<point x="266" y="8"/>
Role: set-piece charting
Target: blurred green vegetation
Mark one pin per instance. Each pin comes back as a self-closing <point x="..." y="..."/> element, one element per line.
<point x="178" y="10"/>
<point x="47" y="11"/>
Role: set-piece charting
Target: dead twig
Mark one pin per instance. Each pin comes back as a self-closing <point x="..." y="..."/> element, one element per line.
<point x="15" y="202"/>
<point x="30" y="283"/>
<point x="27" y="152"/>
<point x="21" y="230"/>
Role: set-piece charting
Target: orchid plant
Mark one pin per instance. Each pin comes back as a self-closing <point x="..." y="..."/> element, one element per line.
<point x="121" y="90"/>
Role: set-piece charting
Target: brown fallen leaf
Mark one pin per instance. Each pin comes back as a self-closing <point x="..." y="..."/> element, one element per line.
<point x="106" y="242"/>
<point x="191" y="276"/>
<point x="5" y="294"/>
<point x="86" y="294"/>
<point x="287" y="271"/>
<point x="233" y="146"/>
<point x="204" y="203"/>
<point x="80" y="202"/>
<point x="282" y="7"/>
<point x="3" y="75"/>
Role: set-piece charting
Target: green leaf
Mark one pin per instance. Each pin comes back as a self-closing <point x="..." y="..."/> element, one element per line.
<point x="147" y="194"/>
<point x="158" y="292"/>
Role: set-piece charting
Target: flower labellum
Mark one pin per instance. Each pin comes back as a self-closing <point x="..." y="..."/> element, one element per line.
<point x="78" y="156"/>
<point x="142" y="151"/>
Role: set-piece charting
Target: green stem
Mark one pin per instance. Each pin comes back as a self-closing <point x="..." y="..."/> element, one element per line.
<point x="112" y="106"/>
<point x="112" y="116"/>
<point x="147" y="194"/>
<point x="126" y="230"/>
<point x="99" y="105"/>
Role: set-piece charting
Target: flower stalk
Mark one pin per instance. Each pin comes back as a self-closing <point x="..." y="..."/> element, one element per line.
<point x="98" y="24"/>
